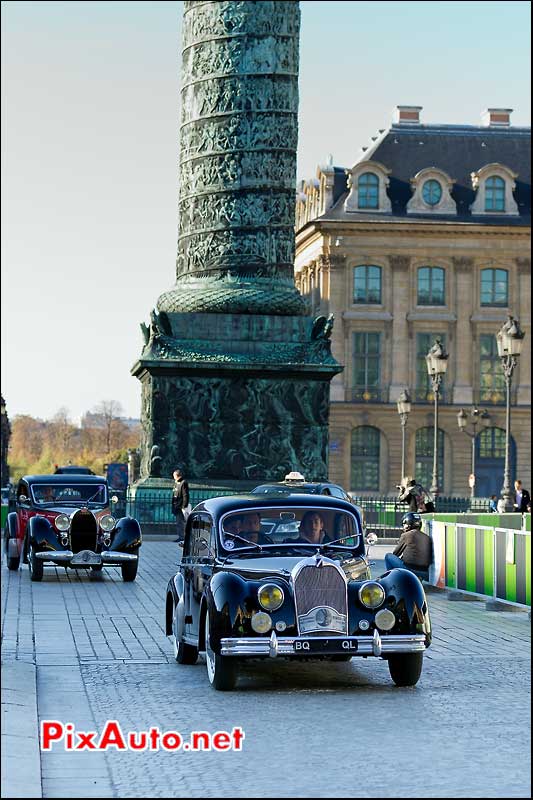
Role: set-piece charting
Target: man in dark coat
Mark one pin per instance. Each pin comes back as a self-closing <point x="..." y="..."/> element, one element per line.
<point x="522" y="498"/>
<point x="413" y="550"/>
<point x="180" y="500"/>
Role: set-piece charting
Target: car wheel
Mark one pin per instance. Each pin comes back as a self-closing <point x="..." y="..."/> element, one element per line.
<point x="405" y="670"/>
<point x="222" y="671"/>
<point x="11" y="561"/>
<point x="183" y="653"/>
<point x="36" y="566"/>
<point x="129" y="570"/>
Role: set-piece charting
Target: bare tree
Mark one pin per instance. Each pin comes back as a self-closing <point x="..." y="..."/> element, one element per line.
<point x="109" y="413"/>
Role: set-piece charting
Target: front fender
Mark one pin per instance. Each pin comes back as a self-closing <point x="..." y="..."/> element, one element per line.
<point x="42" y="535"/>
<point x="127" y="535"/>
<point x="407" y="599"/>
<point x="231" y="601"/>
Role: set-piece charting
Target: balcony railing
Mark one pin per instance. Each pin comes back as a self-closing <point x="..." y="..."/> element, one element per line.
<point x="366" y="394"/>
<point x="494" y="397"/>
<point x="423" y="395"/>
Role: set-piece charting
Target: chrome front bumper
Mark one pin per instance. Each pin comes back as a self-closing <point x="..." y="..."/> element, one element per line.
<point x="66" y="556"/>
<point x="274" y="646"/>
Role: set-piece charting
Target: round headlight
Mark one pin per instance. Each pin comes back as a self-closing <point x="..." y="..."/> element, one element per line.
<point x="62" y="522"/>
<point x="261" y="622"/>
<point x="271" y="596"/>
<point x="371" y="594"/>
<point x="107" y="522"/>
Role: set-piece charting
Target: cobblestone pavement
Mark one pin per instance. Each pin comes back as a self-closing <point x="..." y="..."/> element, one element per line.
<point x="315" y="729"/>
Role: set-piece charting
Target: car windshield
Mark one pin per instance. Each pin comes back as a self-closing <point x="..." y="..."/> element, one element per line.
<point x="67" y="493"/>
<point x="289" y="528"/>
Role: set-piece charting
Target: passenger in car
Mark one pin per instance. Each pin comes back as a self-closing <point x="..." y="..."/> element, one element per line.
<point x="311" y="530"/>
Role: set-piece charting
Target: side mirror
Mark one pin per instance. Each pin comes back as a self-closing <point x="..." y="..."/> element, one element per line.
<point x="22" y="498"/>
<point x="371" y="538"/>
<point x="114" y="499"/>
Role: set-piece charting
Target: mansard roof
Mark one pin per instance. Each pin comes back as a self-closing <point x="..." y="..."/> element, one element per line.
<point x="458" y="150"/>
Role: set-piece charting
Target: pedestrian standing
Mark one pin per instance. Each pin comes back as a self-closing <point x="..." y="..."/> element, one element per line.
<point x="180" y="501"/>
<point x="522" y="497"/>
<point x="493" y="504"/>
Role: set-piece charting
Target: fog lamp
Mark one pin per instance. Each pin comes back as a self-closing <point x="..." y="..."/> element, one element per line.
<point x="261" y="622"/>
<point x="271" y="596"/>
<point x="371" y="594"/>
<point x="385" y="619"/>
<point x="62" y="522"/>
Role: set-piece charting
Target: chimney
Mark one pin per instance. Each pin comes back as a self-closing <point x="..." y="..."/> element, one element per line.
<point x="497" y="117"/>
<point x="407" y="115"/>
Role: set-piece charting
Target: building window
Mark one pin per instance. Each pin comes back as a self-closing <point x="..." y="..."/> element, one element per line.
<point x="494" y="287"/>
<point x="368" y="190"/>
<point x="494" y="194"/>
<point x="424" y="390"/>
<point x="424" y="456"/>
<point x="432" y="192"/>
<point x="492" y="443"/>
<point x="367" y="284"/>
<point x="366" y="366"/>
<point x="365" y="459"/>
<point x="491" y="378"/>
<point x="431" y="286"/>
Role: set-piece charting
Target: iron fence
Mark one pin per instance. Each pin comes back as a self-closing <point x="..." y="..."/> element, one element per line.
<point x="383" y="514"/>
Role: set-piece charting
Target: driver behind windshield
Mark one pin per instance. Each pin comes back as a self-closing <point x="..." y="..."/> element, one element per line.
<point x="251" y="529"/>
<point x="45" y="494"/>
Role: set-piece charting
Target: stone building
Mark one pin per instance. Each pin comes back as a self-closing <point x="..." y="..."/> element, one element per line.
<point x="427" y="234"/>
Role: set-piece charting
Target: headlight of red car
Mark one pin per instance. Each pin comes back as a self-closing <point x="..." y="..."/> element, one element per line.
<point x="62" y="522"/>
<point x="107" y="523"/>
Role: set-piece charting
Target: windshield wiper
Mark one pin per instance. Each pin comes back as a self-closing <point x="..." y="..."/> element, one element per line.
<point x="337" y="541"/>
<point x="242" y="539"/>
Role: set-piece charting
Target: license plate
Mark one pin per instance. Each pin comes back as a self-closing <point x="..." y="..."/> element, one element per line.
<point x="85" y="558"/>
<point x="316" y="646"/>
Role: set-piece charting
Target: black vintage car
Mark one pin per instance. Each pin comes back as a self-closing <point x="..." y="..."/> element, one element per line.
<point x="269" y="577"/>
<point x="65" y="520"/>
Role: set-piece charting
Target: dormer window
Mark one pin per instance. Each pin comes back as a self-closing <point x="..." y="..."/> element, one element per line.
<point x="494" y="185"/>
<point x="494" y="194"/>
<point x="431" y="193"/>
<point x="367" y="182"/>
<point x="368" y="190"/>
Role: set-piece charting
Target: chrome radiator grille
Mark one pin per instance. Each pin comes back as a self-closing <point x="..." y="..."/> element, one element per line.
<point x="321" y="598"/>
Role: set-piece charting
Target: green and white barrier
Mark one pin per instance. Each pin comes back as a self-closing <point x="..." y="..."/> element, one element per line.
<point x="486" y="561"/>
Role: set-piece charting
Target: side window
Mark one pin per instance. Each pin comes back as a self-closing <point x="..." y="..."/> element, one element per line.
<point x="201" y="537"/>
<point x="336" y="492"/>
<point x="188" y="544"/>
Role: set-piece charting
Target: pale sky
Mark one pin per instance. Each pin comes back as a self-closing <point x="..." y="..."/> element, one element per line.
<point x="90" y="111"/>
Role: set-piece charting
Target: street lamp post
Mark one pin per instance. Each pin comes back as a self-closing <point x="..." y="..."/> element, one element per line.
<point x="509" y="340"/>
<point x="437" y="362"/>
<point x="404" y="409"/>
<point x="475" y="416"/>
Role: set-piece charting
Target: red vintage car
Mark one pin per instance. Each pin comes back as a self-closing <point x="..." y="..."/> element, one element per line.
<point x="65" y="520"/>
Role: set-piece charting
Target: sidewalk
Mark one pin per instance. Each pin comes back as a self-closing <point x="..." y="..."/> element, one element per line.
<point x="21" y="760"/>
